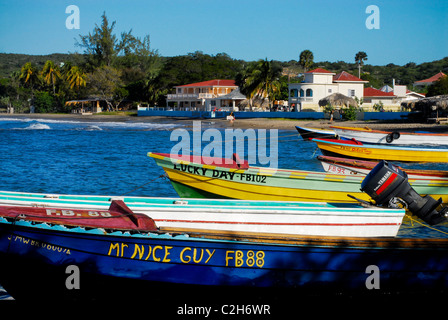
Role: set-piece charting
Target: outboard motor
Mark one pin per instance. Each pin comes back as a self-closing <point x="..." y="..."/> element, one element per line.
<point x="389" y="186"/>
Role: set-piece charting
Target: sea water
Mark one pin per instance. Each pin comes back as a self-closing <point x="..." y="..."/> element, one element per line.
<point x="110" y="158"/>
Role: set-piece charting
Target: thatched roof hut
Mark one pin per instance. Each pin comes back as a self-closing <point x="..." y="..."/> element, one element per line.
<point x="338" y="100"/>
<point x="436" y="102"/>
<point x="430" y="107"/>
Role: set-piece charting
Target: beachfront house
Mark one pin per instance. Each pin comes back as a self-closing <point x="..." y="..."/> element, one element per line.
<point x="218" y="94"/>
<point x="320" y="83"/>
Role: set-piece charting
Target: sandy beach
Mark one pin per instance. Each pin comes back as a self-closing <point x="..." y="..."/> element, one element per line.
<point x="281" y="124"/>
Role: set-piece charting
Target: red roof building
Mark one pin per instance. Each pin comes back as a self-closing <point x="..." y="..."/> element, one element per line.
<point x="372" y="92"/>
<point x="205" y="96"/>
<point x="211" y="83"/>
<point x="319" y="70"/>
<point x="429" y="81"/>
<point x="347" y="77"/>
<point x="374" y="96"/>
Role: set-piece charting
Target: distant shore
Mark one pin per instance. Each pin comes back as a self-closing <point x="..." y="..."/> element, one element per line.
<point x="258" y="123"/>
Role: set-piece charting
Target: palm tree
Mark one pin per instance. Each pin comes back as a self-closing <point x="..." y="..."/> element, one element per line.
<point x="306" y="59"/>
<point x="76" y="77"/>
<point x="262" y="78"/>
<point x="29" y="75"/>
<point x="51" y="74"/>
<point x="360" y="57"/>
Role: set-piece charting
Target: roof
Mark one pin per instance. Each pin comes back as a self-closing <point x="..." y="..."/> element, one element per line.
<point x="234" y="95"/>
<point x="408" y="92"/>
<point x="319" y="70"/>
<point x="212" y="83"/>
<point x="345" y="76"/>
<point x="433" y="78"/>
<point x="387" y="88"/>
<point x="372" y="92"/>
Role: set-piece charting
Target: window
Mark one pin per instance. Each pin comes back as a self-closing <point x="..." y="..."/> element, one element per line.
<point x="309" y="92"/>
<point x="330" y="90"/>
<point x="351" y="93"/>
<point x="293" y="93"/>
<point x="179" y="90"/>
<point x="302" y="93"/>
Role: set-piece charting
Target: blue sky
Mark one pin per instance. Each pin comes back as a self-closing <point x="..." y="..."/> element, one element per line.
<point x="409" y="31"/>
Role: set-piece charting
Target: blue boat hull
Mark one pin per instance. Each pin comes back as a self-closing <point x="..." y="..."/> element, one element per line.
<point x="36" y="256"/>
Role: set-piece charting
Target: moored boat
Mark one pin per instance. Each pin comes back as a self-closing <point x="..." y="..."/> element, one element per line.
<point x="270" y="217"/>
<point x="367" y="135"/>
<point x="43" y="261"/>
<point x="349" y="166"/>
<point x="358" y="150"/>
<point x="310" y="133"/>
<point x="210" y="178"/>
<point x="118" y="216"/>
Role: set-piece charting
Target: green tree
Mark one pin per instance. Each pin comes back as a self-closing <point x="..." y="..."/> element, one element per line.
<point x="44" y="102"/>
<point x="440" y="87"/>
<point x="306" y="60"/>
<point x="101" y="45"/>
<point x="29" y="75"/>
<point x="51" y="74"/>
<point x="76" y="77"/>
<point x="261" y="78"/>
<point x="106" y="83"/>
<point x="360" y="57"/>
<point x="349" y="113"/>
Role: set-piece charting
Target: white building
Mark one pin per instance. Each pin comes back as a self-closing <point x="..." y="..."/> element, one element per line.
<point x="320" y="83"/>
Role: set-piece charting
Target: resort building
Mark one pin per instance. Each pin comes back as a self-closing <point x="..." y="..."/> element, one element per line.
<point x="429" y="81"/>
<point x="209" y="95"/>
<point x="320" y="83"/>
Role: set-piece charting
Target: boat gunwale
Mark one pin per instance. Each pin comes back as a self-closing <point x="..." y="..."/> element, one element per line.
<point x="280" y="173"/>
<point x="316" y="130"/>
<point x="377" y="146"/>
<point x="315" y="207"/>
<point x="351" y="163"/>
<point x="233" y="237"/>
<point x="388" y="132"/>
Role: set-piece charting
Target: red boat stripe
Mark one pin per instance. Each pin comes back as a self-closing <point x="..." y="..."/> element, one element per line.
<point x="386" y="183"/>
<point x="281" y="224"/>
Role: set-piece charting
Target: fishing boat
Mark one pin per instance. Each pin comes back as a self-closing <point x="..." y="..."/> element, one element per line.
<point x="278" y="217"/>
<point x="47" y="261"/>
<point x="202" y="177"/>
<point x="117" y="216"/>
<point x="358" y="150"/>
<point x="347" y="166"/>
<point x="310" y="133"/>
<point x="367" y="135"/>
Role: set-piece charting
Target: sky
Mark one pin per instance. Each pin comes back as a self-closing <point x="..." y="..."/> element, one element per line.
<point x="396" y="31"/>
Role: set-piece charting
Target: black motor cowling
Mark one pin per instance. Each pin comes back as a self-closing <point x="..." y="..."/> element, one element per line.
<point x="388" y="185"/>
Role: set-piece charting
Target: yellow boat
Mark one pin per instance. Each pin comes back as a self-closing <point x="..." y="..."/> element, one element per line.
<point x="358" y="150"/>
<point x="213" y="178"/>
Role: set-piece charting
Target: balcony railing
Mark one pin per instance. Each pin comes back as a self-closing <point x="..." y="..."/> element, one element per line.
<point x="186" y="96"/>
<point x="302" y="99"/>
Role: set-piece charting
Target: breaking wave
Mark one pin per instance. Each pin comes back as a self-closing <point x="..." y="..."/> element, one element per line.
<point x="62" y="124"/>
<point x="37" y="126"/>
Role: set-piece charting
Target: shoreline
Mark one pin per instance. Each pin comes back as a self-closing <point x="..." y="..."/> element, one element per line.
<point x="255" y="123"/>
